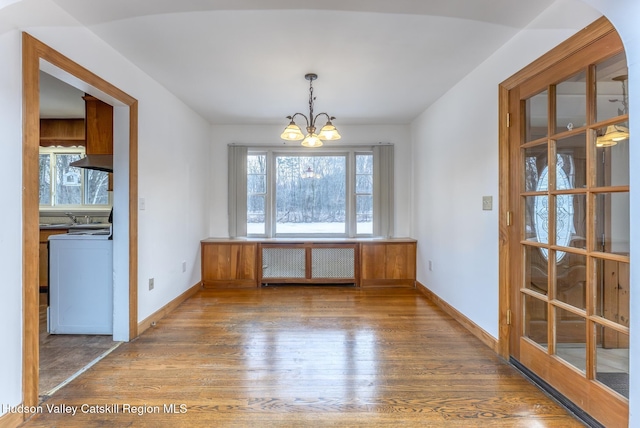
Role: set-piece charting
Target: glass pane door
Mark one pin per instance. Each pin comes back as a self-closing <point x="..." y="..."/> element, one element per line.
<point x="574" y="230"/>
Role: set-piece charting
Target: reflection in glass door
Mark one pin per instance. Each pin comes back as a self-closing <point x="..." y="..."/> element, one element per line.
<point x="573" y="224"/>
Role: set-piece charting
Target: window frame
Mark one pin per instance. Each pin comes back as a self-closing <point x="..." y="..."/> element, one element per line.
<point x="81" y="151"/>
<point x="349" y="153"/>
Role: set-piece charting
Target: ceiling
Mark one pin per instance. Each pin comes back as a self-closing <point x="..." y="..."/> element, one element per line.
<point x="244" y="61"/>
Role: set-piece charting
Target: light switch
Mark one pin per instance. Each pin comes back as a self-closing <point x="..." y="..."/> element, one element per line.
<point x="487" y="203"/>
<point x="142" y="204"/>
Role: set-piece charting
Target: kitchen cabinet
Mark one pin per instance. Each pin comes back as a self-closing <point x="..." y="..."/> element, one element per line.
<point x="62" y="132"/>
<point x="99" y="126"/>
<point x="229" y="263"/>
<point x="389" y="263"/>
<point x="43" y="268"/>
<point x="99" y="129"/>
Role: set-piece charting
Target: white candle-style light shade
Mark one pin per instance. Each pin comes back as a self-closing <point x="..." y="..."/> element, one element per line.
<point x="292" y="132"/>
<point x="311" y="140"/>
<point x="329" y="133"/>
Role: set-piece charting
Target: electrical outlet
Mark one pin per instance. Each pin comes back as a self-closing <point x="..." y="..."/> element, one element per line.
<point x="184" y="266"/>
<point x="151" y="284"/>
<point x="430" y="265"/>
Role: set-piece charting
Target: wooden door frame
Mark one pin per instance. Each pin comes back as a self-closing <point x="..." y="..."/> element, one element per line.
<point x="33" y="51"/>
<point x="597" y="30"/>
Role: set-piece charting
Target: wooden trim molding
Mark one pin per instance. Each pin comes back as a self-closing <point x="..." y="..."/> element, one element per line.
<point x="33" y="51"/>
<point x="474" y="328"/>
<point x="11" y="420"/>
<point x="148" y="322"/>
<point x="589" y="35"/>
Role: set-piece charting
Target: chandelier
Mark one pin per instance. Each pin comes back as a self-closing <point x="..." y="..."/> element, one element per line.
<point x="327" y="133"/>
<point x="616" y="133"/>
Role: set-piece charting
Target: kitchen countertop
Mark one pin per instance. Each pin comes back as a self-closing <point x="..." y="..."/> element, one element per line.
<point x="72" y="226"/>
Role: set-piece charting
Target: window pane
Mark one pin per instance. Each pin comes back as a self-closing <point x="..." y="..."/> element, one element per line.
<point x="613" y="291"/>
<point x="364" y="164"/>
<point x="571" y="280"/>
<point x="571" y="338"/>
<point x="256" y="164"/>
<point x="571" y="103"/>
<point x="535" y="320"/>
<point x="96" y="185"/>
<point x="611" y="84"/>
<point x="571" y="220"/>
<point x="364" y="214"/>
<point x="612" y="359"/>
<point x="256" y="183"/>
<point x="310" y="194"/>
<point x="364" y="183"/>
<point x="535" y="166"/>
<point x="256" y="215"/>
<point x="256" y="194"/>
<point x="68" y="180"/>
<point x="612" y="160"/>
<point x="536" y="269"/>
<point x="612" y="223"/>
<point x="571" y="162"/>
<point x="45" y="180"/>
<point x="536" y="219"/>
<point x="537" y="116"/>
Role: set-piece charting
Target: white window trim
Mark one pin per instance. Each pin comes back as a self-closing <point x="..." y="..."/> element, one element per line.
<point x="383" y="218"/>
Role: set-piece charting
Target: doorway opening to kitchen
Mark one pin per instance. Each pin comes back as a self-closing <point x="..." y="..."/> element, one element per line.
<point x="38" y="58"/>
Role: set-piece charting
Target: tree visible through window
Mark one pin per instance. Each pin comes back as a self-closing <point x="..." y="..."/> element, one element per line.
<point x="62" y="185"/>
<point x="290" y="193"/>
<point x="311" y="194"/>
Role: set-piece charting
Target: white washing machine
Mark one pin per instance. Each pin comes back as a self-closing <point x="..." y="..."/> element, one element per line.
<point x="81" y="283"/>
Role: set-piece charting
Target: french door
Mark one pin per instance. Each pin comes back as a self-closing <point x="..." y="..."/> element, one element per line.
<point x="568" y="233"/>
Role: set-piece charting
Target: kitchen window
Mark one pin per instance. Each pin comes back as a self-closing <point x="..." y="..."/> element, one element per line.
<point x="294" y="192"/>
<point x="63" y="186"/>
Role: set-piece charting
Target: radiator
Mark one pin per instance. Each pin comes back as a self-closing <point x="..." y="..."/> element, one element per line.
<point x="283" y="263"/>
<point x="291" y="263"/>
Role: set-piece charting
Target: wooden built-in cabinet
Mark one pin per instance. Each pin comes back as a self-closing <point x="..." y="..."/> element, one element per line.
<point x="229" y="263"/>
<point x="62" y="132"/>
<point x="99" y="126"/>
<point x="237" y="263"/>
<point x="387" y="264"/>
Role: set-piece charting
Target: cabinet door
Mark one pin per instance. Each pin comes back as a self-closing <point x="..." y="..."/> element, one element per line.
<point x="388" y="264"/>
<point x="226" y="264"/>
<point x="99" y="127"/>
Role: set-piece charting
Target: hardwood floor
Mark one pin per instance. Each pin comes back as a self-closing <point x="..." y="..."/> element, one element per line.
<point x="63" y="355"/>
<point x="304" y="356"/>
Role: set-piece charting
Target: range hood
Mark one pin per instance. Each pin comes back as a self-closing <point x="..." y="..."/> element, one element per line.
<point x="97" y="162"/>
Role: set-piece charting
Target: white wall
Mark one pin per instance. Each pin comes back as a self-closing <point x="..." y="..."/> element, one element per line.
<point x="11" y="235"/>
<point x="455" y="155"/>
<point x="268" y="135"/>
<point x="173" y="172"/>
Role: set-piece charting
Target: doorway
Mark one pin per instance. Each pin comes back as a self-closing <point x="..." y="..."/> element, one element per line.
<point x="38" y="56"/>
<point x="565" y="194"/>
<point x="70" y="199"/>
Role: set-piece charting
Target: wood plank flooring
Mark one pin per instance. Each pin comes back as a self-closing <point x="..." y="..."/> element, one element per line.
<point x="62" y="355"/>
<point x="304" y="356"/>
